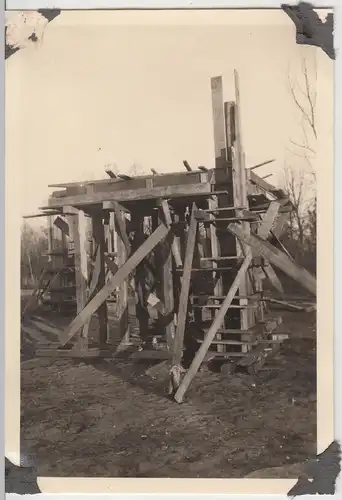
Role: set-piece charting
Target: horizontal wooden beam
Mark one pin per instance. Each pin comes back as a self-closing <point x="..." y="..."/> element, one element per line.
<point x="276" y="257"/>
<point x="45" y="214"/>
<point x="261" y="165"/>
<point x="123" y="272"/>
<point x="109" y="205"/>
<point x="198" y="189"/>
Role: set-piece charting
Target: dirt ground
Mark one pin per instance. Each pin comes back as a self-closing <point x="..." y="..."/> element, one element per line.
<point x="111" y="418"/>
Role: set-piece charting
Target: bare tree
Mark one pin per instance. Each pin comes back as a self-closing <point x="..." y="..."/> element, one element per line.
<point x="300" y="182"/>
<point x="34" y="245"/>
<point x="304" y="96"/>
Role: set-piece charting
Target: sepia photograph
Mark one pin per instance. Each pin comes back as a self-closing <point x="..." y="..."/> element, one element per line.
<point x="166" y="169"/>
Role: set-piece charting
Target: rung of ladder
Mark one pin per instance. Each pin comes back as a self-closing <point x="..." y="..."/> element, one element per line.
<point x="233" y="331"/>
<point x="214" y="259"/>
<point x="222" y="297"/>
<point x="218" y="306"/>
<point x="230" y="342"/>
<point x="211" y="354"/>
<point x="229" y="219"/>
<point x="207" y="269"/>
<point x="221" y="209"/>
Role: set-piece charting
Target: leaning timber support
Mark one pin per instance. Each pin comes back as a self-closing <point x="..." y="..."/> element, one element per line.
<point x="276" y="257"/>
<point x="184" y="295"/>
<point x="124" y="271"/>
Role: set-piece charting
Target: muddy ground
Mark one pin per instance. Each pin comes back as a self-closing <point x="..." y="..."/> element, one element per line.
<point x="111" y="418"/>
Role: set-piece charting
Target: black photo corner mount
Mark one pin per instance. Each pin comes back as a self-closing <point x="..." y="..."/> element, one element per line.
<point x="49" y="14"/>
<point x="20" y="480"/>
<point x="322" y="471"/>
<point x="310" y="29"/>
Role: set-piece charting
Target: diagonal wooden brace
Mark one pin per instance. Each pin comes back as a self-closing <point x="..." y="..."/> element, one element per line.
<point x="276" y="257"/>
<point x="122" y="273"/>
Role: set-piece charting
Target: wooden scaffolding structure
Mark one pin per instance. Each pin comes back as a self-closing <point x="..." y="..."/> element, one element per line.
<point x="195" y="245"/>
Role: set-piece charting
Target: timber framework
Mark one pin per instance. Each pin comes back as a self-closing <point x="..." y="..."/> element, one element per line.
<point x="193" y="247"/>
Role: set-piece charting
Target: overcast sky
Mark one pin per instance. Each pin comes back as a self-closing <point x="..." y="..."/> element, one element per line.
<point x="121" y="88"/>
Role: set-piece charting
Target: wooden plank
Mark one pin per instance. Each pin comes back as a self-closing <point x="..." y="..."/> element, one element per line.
<point x="278" y="230"/>
<point x="62" y="224"/>
<point x="229" y="114"/>
<point x="268" y="220"/>
<point x="184" y="295"/>
<point x="187" y="166"/>
<point x="212" y="204"/>
<point x="109" y="205"/>
<point x="74" y="353"/>
<point x="210" y="335"/>
<point x="262" y="184"/>
<point x="276" y="257"/>
<point x="263" y="232"/>
<point x="120" y="224"/>
<point x="123" y="251"/>
<point x="43" y="214"/>
<point x="95" y="274"/>
<point x="175" y="243"/>
<point x="50" y="237"/>
<point x="218" y="121"/>
<point x="77" y="224"/>
<point x="99" y="241"/>
<point x="261" y="164"/>
<point x="110" y="173"/>
<point x="273" y="278"/>
<point x="240" y="197"/>
<point x="77" y="228"/>
<point x="167" y="289"/>
<point x="124" y="271"/>
<point x="198" y="189"/>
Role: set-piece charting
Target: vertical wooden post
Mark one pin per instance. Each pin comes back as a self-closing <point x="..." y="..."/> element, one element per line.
<point x="122" y="292"/>
<point x="184" y="296"/>
<point x="218" y="120"/>
<point x="167" y="289"/>
<point x="241" y="199"/>
<point x="218" y="290"/>
<point x="137" y="220"/>
<point x="99" y="240"/>
<point x="50" y="237"/>
<point x="78" y="235"/>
